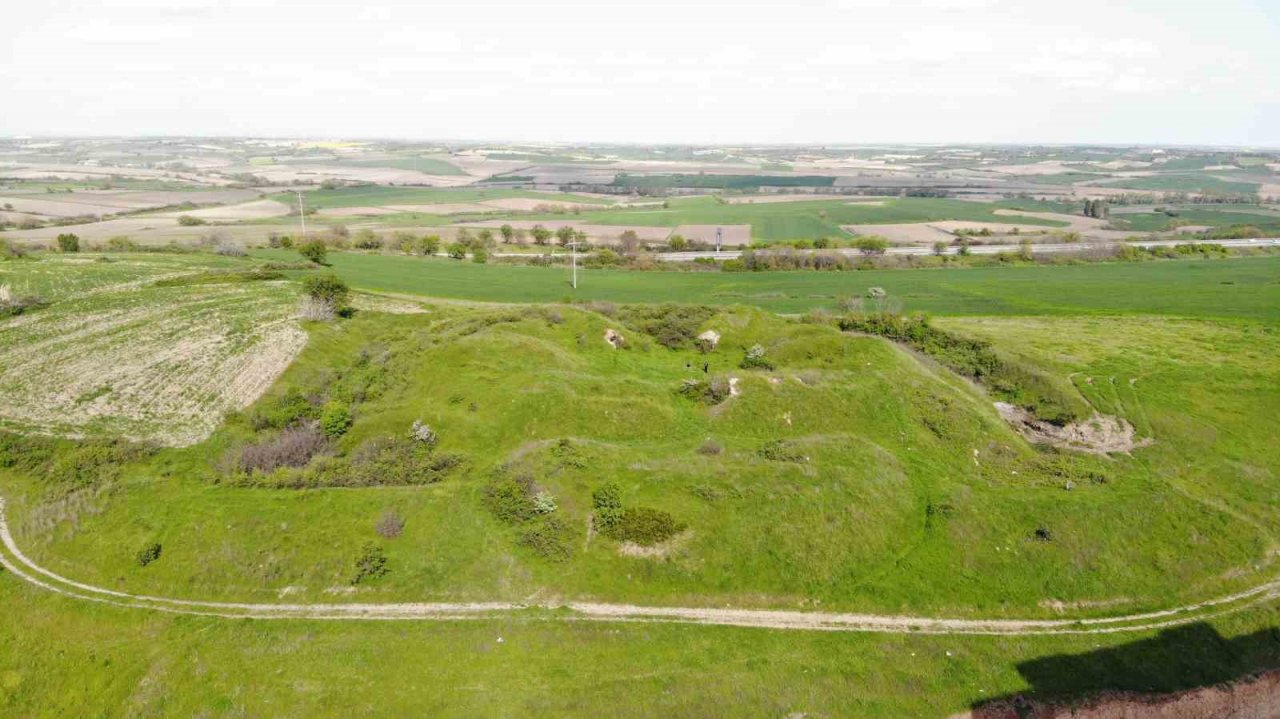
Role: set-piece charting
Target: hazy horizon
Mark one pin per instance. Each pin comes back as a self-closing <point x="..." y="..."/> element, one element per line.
<point x="930" y="72"/>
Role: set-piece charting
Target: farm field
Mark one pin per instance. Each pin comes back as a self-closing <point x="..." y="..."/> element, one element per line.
<point x="1238" y="287"/>
<point x="796" y="220"/>
<point x="135" y="359"/>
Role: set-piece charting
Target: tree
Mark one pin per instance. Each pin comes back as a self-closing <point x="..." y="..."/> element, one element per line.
<point x="429" y="244"/>
<point x="479" y="254"/>
<point x="314" y="251"/>
<point x="540" y="235"/>
<point x="564" y="235"/>
<point x="368" y="240"/>
<point x="486" y="238"/>
<point x="677" y="243"/>
<point x="68" y="242"/>
<point x="508" y="233"/>
<point x="457" y="250"/>
<point x="630" y="241"/>
<point x="327" y="288"/>
<point x="939" y="248"/>
<point x="871" y="245"/>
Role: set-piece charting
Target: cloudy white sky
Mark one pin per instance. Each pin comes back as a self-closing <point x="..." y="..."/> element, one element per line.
<point x="804" y="71"/>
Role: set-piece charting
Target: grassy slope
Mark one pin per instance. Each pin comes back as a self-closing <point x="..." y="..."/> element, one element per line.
<point x="1245" y="287"/>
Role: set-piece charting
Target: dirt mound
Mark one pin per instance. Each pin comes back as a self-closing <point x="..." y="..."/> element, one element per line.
<point x="1254" y="697"/>
<point x="1100" y="434"/>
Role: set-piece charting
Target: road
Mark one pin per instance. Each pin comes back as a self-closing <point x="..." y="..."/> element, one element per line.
<point x="22" y="567"/>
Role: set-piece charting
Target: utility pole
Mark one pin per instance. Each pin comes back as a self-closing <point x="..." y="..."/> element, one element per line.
<point x="719" y="237"/>
<point x="302" y="215"/>
<point x="573" y="260"/>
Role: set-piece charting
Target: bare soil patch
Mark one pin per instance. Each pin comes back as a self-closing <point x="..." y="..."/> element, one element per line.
<point x="254" y="210"/>
<point x="917" y="233"/>
<point x="732" y="234"/>
<point x="528" y="204"/>
<point x="1100" y="434"/>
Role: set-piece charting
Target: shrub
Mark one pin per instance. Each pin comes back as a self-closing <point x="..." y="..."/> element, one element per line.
<point x="510" y="499"/>
<point x="371" y="564"/>
<point x="544" y="502"/>
<point x="11" y="250"/>
<point x="190" y="221"/>
<point x="457" y="250"/>
<point x="148" y="554"/>
<point x="606" y="504"/>
<point x="645" y="526"/>
<point x="294" y="447"/>
<point x="776" y="450"/>
<point x="326" y="291"/>
<point x="755" y="359"/>
<point x="706" y="391"/>
<point x="316" y="310"/>
<point x="314" y="251"/>
<point x="68" y="242"/>
<point x="335" y="419"/>
<point x="388" y="461"/>
<point x="422" y="433"/>
<point x="673" y="326"/>
<point x="871" y="245"/>
<point x="367" y="240"/>
<point x="479" y="254"/>
<point x="390" y="525"/>
<point x="549" y="539"/>
<point x="283" y="411"/>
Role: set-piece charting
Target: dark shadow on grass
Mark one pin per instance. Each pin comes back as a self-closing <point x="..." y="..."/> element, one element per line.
<point x="1177" y="659"/>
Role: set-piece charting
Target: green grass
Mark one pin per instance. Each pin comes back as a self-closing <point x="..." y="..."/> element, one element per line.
<point x="1185" y="350"/>
<point x="62" y="658"/>
<point x="1152" y="221"/>
<point x="1240" y="287"/>
<point x="722" y="182"/>
<point x="1208" y="184"/>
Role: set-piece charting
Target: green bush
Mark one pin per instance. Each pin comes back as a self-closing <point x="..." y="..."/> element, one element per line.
<point x="673" y="326"/>
<point x="190" y="221"/>
<point x="706" y="391"/>
<point x="606" y="503"/>
<point x="645" y="526"/>
<point x="371" y="564"/>
<point x="314" y="251"/>
<point x="283" y="411"/>
<point x="755" y="359"/>
<point x="510" y="499"/>
<point x="335" y="419"/>
<point x="776" y="450"/>
<point x="327" y="288"/>
<point x="550" y="538"/>
<point x="68" y="242"/>
<point x="148" y="554"/>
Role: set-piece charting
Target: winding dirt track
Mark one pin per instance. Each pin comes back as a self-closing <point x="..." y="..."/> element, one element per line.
<point x="22" y="567"/>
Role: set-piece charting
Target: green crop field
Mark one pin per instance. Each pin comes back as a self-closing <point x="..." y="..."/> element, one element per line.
<point x="800" y="220"/>
<point x="1209" y="184"/>
<point x="835" y="472"/>
<point x="1241" y="287"/>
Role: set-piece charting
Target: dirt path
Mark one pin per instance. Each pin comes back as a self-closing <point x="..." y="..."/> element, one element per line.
<point x="18" y="564"/>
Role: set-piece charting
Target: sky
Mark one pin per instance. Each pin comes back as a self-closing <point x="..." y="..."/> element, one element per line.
<point x="663" y="71"/>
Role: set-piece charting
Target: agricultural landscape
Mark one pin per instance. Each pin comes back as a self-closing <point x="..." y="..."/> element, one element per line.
<point x="634" y="430"/>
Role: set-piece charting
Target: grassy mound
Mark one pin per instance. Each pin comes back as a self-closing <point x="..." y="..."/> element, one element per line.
<point x="836" y="471"/>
